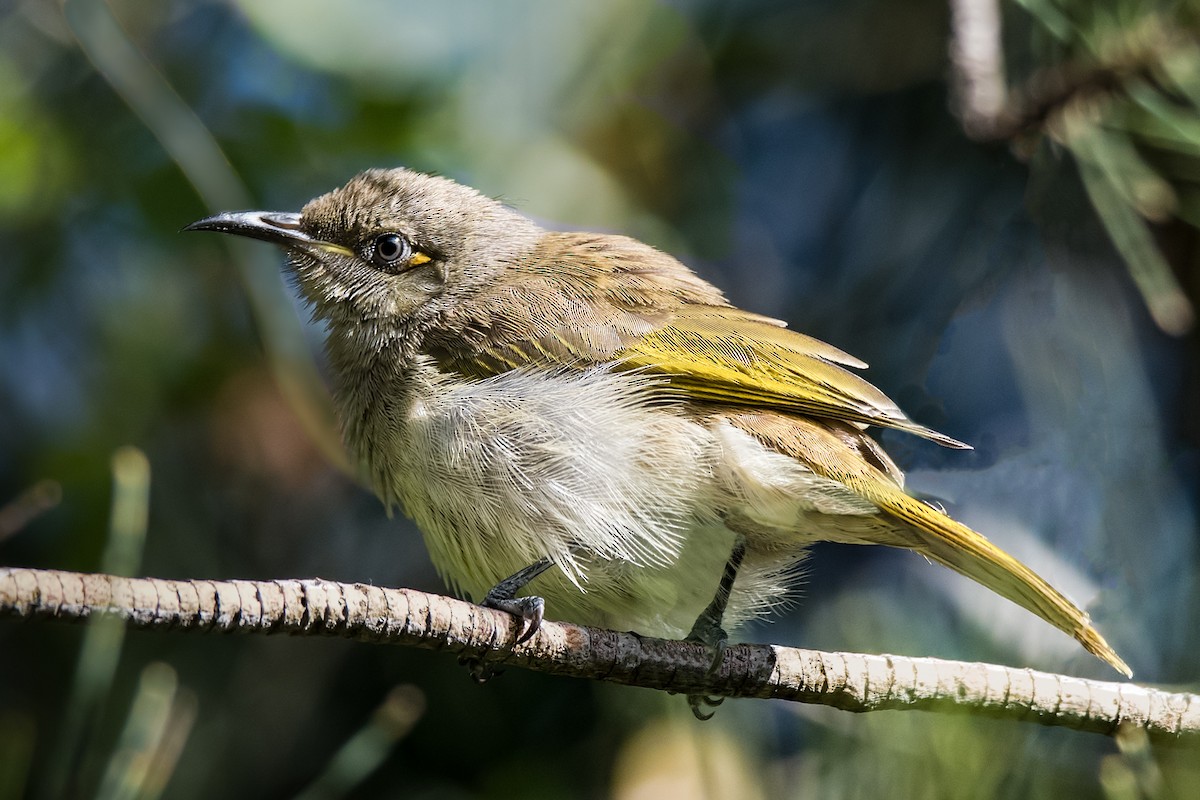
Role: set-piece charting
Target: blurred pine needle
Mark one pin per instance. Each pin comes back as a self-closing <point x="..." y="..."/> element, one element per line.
<point x="1116" y="85"/>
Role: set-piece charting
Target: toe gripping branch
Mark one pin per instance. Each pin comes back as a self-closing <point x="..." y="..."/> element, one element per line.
<point x="708" y="628"/>
<point x="529" y="610"/>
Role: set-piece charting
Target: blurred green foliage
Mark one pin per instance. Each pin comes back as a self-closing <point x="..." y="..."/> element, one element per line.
<point x="1125" y="82"/>
<point x="801" y="155"/>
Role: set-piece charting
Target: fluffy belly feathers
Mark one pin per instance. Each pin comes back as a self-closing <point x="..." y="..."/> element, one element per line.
<point x="627" y="492"/>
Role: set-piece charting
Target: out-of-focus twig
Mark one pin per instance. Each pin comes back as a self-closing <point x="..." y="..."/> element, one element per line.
<point x="362" y="754"/>
<point x="28" y="506"/>
<point x="193" y="148"/>
<point x="102" y="643"/>
<point x="156" y="728"/>
<point x="991" y="111"/>
<point x="978" y="57"/>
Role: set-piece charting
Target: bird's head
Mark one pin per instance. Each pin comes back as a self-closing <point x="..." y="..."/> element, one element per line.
<point x="391" y="247"/>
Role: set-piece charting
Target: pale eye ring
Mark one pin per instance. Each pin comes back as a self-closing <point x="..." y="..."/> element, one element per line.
<point x="389" y="250"/>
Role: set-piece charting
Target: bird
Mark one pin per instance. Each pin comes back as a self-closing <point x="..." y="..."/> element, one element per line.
<point x="578" y="421"/>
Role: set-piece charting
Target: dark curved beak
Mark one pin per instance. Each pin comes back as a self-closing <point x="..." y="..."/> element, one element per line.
<point x="277" y="227"/>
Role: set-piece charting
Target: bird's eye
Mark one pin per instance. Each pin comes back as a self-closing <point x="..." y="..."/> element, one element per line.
<point x="390" y="250"/>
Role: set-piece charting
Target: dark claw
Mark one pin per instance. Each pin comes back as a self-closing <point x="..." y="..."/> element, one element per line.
<point x="481" y="672"/>
<point x="537" y="612"/>
<point x="529" y="610"/>
<point x="695" y="701"/>
<point x="718" y="657"/>
<point x="714" y="637"/>
<point x="707" y="633"/>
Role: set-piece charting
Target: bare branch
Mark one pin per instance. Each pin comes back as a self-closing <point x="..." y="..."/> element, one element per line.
<point x="850" y="681"/>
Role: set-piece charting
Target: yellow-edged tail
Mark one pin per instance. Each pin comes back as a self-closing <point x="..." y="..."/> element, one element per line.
<point x="956" y="546"/>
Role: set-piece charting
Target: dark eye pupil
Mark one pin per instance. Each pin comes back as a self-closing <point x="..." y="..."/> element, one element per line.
<point x="389" y="249"/>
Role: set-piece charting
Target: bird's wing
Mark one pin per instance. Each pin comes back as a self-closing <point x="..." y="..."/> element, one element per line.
<point x="586" y="299"/>
<point x="727" y="356"/>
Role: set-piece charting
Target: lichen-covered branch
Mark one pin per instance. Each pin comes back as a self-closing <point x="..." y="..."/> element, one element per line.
<point x="850" y="681"/>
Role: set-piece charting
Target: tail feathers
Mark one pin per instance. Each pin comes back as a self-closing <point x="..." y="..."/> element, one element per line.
<point x="954" y="545"/>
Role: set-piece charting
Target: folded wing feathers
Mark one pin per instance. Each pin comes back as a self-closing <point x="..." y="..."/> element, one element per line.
<point x="728" y="356"/>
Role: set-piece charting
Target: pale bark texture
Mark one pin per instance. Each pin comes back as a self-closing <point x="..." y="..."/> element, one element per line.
<point x="850" y="681"/>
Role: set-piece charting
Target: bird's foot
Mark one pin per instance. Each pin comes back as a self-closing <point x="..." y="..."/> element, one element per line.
<point x="698" y="702"/>
<point x="480" y="671"/>
<point x="530" y="611"/>
<point x="708" y="631"/>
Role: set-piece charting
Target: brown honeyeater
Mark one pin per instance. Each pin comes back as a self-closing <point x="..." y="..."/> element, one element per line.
<point x="581" y="412"/>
